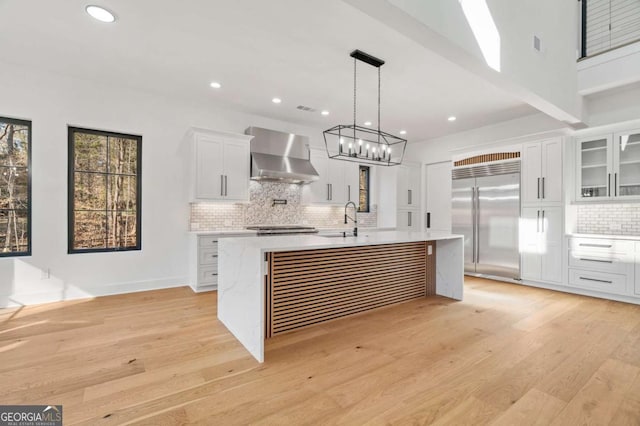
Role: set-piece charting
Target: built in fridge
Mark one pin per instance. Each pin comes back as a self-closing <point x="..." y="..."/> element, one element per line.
<point x="486" y="210"/>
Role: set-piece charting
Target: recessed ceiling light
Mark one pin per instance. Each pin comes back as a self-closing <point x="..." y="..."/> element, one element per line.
<point x="215" y="85"/>
<point x="403" y="132"/>
<point x="100" y="13"/>
<point x="367" y="123"/>
<point x="452" y="118"/>
<point x="276" y="100"/>
<point x="325" y="112"/>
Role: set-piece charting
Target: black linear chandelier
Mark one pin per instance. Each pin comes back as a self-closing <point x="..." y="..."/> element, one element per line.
<point x="359" y="144"/>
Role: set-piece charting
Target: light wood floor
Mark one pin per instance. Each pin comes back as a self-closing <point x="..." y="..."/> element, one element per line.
<point x="507" y="355"/>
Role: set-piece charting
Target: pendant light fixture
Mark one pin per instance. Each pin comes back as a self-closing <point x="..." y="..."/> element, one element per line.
<point x="360" y="144"/>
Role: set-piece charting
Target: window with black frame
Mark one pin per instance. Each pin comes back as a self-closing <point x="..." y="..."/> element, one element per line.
<point x="363" y="179"/>
<point x="15" y="187"/>
<point x="104" y="191"/>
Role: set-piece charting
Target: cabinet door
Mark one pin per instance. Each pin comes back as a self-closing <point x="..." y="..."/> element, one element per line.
<point x="415" y="177"/>
<point x="439" y="196"/>
<point x="530" y="236"/>
<point x="626" y="158"/>
<point x="336" y="175"/>
<point x="551" y="246"/>
<point x="531" y="173"/>
<point x="319" y="190"/>
<point x="236" y="171"/>
<point x="352" y="179"/>
<point x="594" y="162"/>
<point x="407" y="220"/>
<point x="551" y="184"/>
<point x="403" y="187"/>
<point x="209" y="169"/>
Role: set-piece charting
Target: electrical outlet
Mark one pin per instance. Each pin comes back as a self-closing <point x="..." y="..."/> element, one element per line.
<point x="46" y="274"/>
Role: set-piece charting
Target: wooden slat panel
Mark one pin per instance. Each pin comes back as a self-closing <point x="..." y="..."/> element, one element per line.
<point x="308" y="287"/>
<point x="431" y="269"/>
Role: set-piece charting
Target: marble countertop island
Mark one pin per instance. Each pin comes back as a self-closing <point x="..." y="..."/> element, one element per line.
<point x="243" y="267"/>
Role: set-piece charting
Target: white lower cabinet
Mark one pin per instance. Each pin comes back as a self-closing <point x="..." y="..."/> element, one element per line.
<point x="637" y="270"/>
<point x="203" y="262"/>
<point x="541" y="244"/>
<point x="602" y="265"/>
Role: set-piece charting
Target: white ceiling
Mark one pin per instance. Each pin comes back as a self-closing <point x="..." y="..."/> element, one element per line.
<point x="297" y="50"/>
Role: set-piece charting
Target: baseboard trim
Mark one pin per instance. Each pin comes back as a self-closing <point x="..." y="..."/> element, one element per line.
<point x="77" y="293"/>
<point x="583" y="292"/>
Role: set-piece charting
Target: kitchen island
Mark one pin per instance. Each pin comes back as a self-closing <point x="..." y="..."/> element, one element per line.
<point x="270" y="285"/>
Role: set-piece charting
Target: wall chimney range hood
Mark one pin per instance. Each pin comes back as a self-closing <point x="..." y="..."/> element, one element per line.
<point x="280" y="157"/>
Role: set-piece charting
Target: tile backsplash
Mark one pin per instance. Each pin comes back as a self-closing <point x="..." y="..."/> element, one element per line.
<point x="261" y="210"/>
<point x="613" y="219"/>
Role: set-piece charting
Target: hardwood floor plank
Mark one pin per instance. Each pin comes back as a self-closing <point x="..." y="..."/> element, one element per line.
<point x="508" y="354"/>
<point x="598" y="401"/>
<point x="535" y="408"/>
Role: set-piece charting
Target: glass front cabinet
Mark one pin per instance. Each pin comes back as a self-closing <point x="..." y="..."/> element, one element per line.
<point x="608" y="167"/>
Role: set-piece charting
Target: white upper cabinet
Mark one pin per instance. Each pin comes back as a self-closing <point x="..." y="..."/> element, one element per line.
<point x="221" y="171"/>
<point x="626" y="162"/>
<point x="352" y="179"/>
<point x="409" y="177"/>
<point x="542" y="172"/>
<point x="338" y="181"/>
<point x="608" y="167"/>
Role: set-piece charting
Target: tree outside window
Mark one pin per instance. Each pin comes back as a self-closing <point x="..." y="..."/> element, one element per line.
<point x="364" y="180"/>
<point x="15" y="187"/>
<point x="104" y="191"/>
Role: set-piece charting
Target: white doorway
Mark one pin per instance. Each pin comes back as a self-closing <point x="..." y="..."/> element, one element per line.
<point x="438" y="196"/>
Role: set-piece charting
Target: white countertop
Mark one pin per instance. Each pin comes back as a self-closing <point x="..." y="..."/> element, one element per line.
<point x="224" y="232"/>
<point x="605" y="236"/>
<point x="243" y="231"/>
<point x="311" y="242"/>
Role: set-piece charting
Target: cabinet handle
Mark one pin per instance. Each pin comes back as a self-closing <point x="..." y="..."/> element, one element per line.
<point x="222" y="185"/>
<point x="596" y="260"/>
<point x="609" y="186"/>
<point x="538" y="223"/>
<point x="595" y="245"/>
<point x="428" y="220"/>
<point x="538" y="188"/>
<point x="598" y="281"/>
<point x="542" y="221"/>
<point x="543" y="188"/>
<point x="225" y="185"/>
<point x="328" y="191"/>
<point x="331" y="192"/>
<point x="409" y="218"/>
<point x="348" y="192"/>
<point x="615" y="184"/>
<point x="409" y="196"/>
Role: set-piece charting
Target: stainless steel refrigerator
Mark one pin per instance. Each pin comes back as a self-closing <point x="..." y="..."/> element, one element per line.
<point x="486" y="210"/>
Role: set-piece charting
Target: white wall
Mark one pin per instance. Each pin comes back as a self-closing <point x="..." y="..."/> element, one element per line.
<point x="52" y="102"/>
<point x="483" y="139"/>
<point x="612" y="69"/>
<point x="545" y="79"/>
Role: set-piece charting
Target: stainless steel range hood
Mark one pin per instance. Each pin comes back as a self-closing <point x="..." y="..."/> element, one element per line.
<point x="280" y="157"/>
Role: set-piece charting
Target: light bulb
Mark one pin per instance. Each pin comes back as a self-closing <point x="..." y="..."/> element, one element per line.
<point x="360" y="142"/>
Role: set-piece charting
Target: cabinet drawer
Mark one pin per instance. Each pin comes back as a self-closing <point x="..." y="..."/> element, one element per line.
<point x="208" y="241"/>
<point x="208" y="256"/>
<point x="598" y="281"/>
<point x="605" y="262"/>
<point x="208" y="274"/>
<point x="595" y="245"/>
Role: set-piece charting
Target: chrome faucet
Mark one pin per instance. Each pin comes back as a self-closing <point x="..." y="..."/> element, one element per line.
<point x="347" y="217"/>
